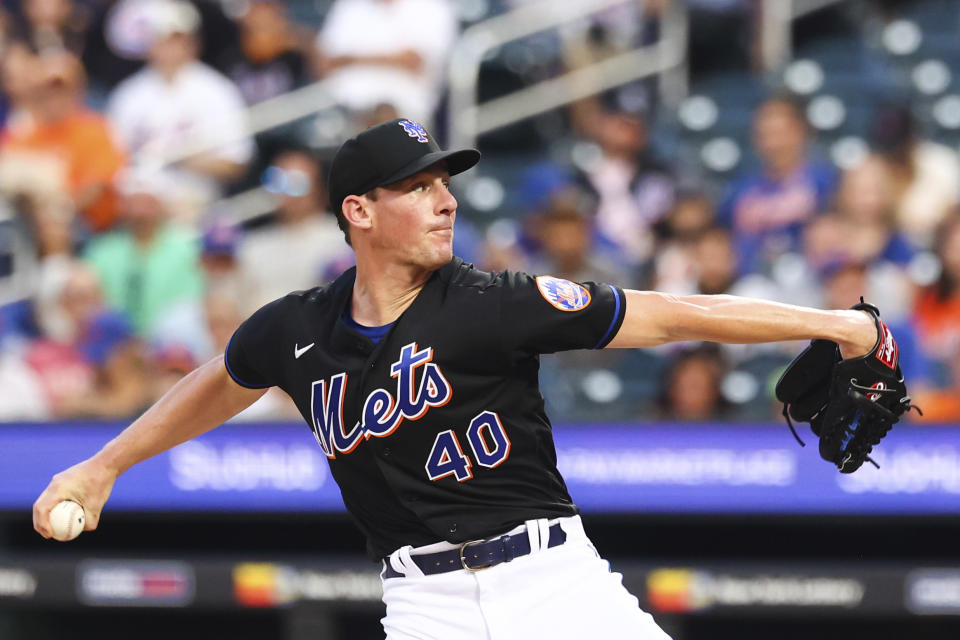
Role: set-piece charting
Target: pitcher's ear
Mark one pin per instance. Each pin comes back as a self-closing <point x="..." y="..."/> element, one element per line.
<point x="357" y="211"/>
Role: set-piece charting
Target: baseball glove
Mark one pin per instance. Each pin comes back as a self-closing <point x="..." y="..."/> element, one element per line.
<point x="850" y="404"/>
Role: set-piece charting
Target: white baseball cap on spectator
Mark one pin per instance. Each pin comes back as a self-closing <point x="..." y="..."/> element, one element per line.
<point x="144" y="180"/>
<point x="138" y="181"/>
<point x="171" y="17"/>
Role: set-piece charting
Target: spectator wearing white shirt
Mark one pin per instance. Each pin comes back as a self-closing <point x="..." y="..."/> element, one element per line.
<point x="387" y="52"/>
<point x="302" y="231"/>
<point x="923" y="174"/>
<point x="177" y="104"/>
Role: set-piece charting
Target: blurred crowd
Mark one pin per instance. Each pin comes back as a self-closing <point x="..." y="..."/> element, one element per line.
<point x="125" y="147"/>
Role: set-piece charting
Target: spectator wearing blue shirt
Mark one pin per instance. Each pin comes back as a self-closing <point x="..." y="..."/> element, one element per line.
<point x="767" y="211"/>
<point x="866" y="204"/>
<point x="863" y="230"/>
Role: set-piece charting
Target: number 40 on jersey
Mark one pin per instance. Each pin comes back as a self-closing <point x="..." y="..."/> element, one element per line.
<point x="487" y="440"/>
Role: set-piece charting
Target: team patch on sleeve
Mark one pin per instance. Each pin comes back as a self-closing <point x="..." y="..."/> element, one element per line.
<point x="563" y="294"/>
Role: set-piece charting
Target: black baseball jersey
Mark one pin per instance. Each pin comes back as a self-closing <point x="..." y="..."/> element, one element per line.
<point x="437" y="432"/>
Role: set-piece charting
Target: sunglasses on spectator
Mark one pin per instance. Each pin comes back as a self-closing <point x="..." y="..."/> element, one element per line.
<point x="286" y="182"/>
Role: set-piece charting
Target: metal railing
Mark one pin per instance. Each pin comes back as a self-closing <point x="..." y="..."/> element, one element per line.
<point x="264" y="116"/>
<point x="469" y="119"/>
<point x="776" y="39"/>
<point x="667" y="58"/>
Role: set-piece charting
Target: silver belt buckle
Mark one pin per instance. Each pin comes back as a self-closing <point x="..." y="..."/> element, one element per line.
<point x="463" y="561"/>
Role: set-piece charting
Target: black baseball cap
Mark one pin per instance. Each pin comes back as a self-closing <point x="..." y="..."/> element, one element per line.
<point x="388" y="153"/>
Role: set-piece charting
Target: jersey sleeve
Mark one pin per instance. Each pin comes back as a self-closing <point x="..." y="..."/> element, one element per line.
<point x="544" y="314"/>
<point x="251" y="355"/>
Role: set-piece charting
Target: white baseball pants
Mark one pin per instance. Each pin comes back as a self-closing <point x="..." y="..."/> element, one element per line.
<point x="567" y="592"/>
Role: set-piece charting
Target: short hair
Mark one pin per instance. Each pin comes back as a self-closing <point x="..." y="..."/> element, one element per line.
<point x="295" y="148"/>
<point x="787" y="101"/>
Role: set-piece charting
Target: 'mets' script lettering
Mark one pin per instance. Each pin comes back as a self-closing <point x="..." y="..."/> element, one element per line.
<point x="382" y="411"/>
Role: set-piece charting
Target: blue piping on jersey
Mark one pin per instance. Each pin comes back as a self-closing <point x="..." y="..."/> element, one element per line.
<point x="234" y="376"/>
<point x="616" y="316"/>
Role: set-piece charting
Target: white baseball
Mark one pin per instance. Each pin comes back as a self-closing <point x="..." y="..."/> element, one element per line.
<point x="66" y="520"/>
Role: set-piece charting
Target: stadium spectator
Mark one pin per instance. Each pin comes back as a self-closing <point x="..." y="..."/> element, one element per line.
<point x="937" y="309"/>
<point x="923" y="174"/>
<point x="566" y="248"/>
<point x="690" y="217"/>
<point x="307" y="237"/>
<point x="17" y="77"/>
<point x="865" y="205"/>
<point x="167" y="363"/>
<point x="844" y="283"/>
<point x="53" y="25"/>
<point x="615" y="30"/>
<point x="691" y="391"/>
<point x="387" y="53"/>
<point x="88" y="361"/>
<point x="862" y="231"/>
<point x="268" y="62"/>
<point x="767" y="210"/>
<point x="503" y="247"/>
<point x="194" y="326"/>
<point x="634" y="190"/>
<point x="22" y="396"/>
<point x="218" y="257"/>
<point x="178" y="105"/>
<point x="59" y="147"/>
<point x="692" y="214"/>
<point x="119" y="38"/>
<point x="201" y="330"/>
<point x="715" y="270"/>
<point x="192" y="334"/>
<point x="50" y="225"/>
<point x="940" y="406"/>
<point x="559" y="238"/>
<point x="151" y="263"/>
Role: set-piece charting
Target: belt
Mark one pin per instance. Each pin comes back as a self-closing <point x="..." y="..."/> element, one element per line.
<point x="477" y="555"/>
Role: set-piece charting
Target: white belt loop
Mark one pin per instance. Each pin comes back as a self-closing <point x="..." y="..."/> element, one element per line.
<point x="410" y="568"/>
<point x="533" y="534"/>
<point x="394" y="562"/>
<point x="401" y="562"/>
<point x="544" y="526"/>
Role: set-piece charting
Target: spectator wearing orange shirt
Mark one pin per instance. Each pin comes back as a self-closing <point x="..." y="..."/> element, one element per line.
<point x="937" y="309"/>
<point x="70" y="145"/>
<point x="940" y="406"/>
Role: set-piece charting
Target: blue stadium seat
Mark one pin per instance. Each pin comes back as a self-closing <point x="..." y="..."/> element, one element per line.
<point x="732" y="88"/>
<point x="765" y="369"/>
<point x="933" y="16"/>
<point x="837" y="55"/>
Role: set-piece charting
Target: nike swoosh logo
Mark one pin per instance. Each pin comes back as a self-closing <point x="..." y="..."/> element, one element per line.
<point x="299" y="352"/>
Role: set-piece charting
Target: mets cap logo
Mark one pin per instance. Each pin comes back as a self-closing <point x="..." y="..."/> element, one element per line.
<point x="563" y="294"/>
<point x="414" y="130"/>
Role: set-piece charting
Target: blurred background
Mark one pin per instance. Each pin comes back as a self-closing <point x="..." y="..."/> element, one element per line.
<point x="162" y="170"/>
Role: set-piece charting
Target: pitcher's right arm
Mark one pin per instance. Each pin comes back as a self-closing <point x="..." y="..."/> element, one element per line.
<point x="201" y="401"/>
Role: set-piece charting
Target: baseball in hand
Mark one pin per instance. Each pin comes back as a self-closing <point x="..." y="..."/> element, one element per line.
<point x="66" y="520"/>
